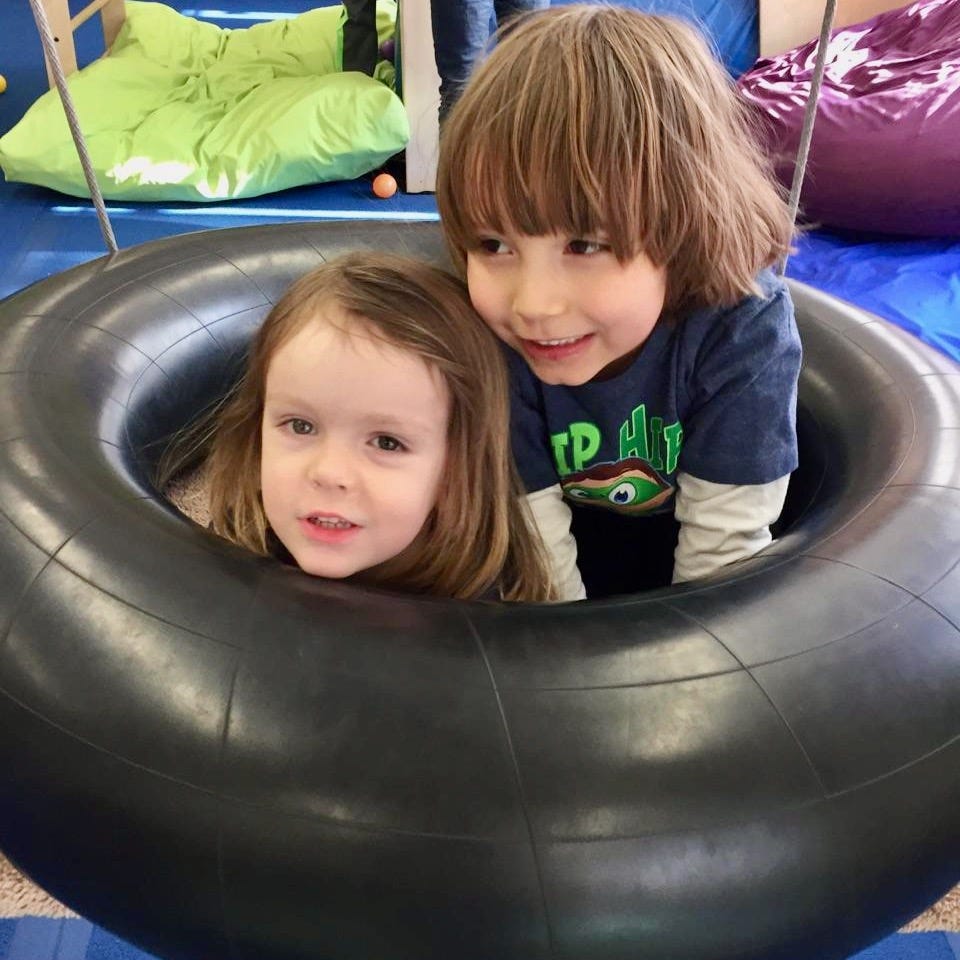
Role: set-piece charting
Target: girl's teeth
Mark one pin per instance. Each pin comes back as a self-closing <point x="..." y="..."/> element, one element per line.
<point x="558" y="343"/>
<point x="333" y="524"/>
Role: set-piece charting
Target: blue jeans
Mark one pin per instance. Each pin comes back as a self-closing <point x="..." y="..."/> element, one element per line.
<point x="461" y="31"/>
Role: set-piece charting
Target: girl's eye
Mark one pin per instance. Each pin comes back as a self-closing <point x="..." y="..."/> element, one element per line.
<point x="586" y="247"/>
<point x="492" y="245"/>
<point x="299" y="426"/>
<point x="388" y="443"/>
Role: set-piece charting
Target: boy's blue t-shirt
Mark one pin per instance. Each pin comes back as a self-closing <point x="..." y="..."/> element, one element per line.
<point x="713" y="395"/>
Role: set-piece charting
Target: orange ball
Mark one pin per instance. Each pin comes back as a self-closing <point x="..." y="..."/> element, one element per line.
<point x="384" y="186"/>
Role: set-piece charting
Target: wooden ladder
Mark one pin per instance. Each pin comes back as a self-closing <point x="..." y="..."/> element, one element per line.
<point x="62" y="25"/>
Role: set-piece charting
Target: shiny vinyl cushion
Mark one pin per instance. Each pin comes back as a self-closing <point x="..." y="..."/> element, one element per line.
<point x="215" y="756"/>
<point x="888" y="113"/>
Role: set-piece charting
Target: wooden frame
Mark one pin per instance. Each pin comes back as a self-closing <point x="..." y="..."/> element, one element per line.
<point x="421" y="94"/>
<point x="62" y="25"/>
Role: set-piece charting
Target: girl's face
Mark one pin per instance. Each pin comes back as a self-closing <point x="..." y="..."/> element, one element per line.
<point x="565" y="304"/>
<point x="354" y="443"/>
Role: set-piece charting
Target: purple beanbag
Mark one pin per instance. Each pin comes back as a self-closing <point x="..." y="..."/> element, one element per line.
<point x="885" y="154"/>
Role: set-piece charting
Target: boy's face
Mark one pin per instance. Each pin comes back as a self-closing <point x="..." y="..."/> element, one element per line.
<point x="567" y="305"/>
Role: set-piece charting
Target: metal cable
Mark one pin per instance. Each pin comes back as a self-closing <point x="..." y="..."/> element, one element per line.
<point x="809" y="118"/>
<point x="53" y="58"/>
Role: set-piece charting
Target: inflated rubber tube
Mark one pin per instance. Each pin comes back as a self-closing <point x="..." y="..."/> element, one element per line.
<point x="216" y="756"/>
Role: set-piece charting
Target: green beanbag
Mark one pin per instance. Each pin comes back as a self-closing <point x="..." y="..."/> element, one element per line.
<point x="185" y="110"/>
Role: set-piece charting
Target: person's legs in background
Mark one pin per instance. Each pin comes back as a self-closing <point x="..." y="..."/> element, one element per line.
<point x="461" y="29"/>
<point x="505" y="9"/>
<point x="360" y="46"/>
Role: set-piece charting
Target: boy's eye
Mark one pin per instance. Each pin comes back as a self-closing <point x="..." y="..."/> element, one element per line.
<point x="388" y="443"/>
<point x="299" y="426"/>
<point x="492" y="245"/>
<point x="586" y="247"/>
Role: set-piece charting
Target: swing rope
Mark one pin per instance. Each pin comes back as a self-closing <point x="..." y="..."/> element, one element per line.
<point x="53" y="58"/>
<point x="809" y="118"/>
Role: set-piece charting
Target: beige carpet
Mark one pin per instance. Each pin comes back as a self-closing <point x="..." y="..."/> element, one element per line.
<point x="189" y="495"/>
<point x="19" y="898"/>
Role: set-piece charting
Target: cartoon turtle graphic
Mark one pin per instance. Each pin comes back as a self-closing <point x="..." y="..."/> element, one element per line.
<point x="627" y="486"/>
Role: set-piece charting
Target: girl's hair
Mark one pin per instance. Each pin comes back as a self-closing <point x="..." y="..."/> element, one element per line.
<point x="478" y="535"/>
<point x="590" y="119"/>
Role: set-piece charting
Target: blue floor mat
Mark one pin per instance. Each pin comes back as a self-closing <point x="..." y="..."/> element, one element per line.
<point x="913" y="282"/>
<point x="54" y="232"/>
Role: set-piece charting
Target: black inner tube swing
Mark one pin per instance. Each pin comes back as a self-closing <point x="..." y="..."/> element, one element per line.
<point x="213" y="755"/>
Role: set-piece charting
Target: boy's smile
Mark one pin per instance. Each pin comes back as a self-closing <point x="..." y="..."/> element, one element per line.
<point x="568" y="306"/>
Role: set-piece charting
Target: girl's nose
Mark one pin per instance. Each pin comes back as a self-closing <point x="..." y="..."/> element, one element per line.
<point x="331" y="468"/>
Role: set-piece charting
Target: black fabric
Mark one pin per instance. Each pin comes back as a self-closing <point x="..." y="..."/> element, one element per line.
<point x="360" y="46"/>
<point x="618" y="554"/>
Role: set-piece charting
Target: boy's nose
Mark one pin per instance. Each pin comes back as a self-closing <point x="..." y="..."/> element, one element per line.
<point x="539" y="296"/>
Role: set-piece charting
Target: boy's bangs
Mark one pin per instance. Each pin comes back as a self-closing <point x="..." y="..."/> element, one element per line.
<point x="541" y="191"/>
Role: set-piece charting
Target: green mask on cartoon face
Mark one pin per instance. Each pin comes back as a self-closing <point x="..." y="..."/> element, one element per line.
<point x="623" y="492"/>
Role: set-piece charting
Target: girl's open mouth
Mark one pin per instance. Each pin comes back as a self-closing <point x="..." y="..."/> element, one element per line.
<point x="328" y="528"/>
